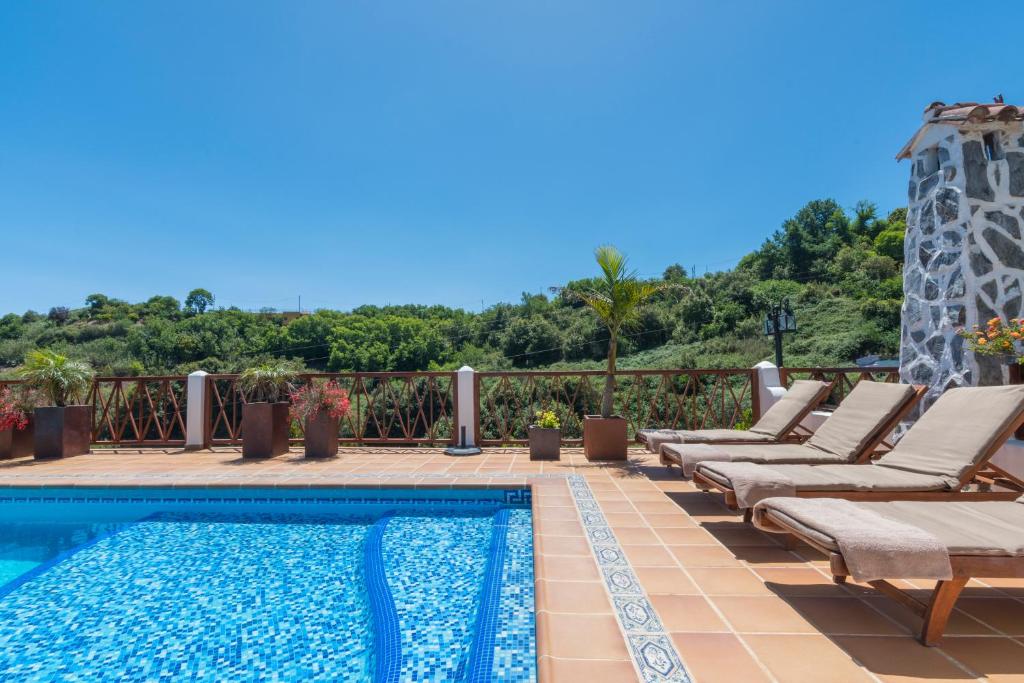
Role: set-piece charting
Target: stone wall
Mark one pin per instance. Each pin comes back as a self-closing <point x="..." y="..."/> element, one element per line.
<point x="964" y="250"/>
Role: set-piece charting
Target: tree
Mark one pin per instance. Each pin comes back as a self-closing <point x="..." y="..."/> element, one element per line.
<point x="616" y="301"/>
<point x="59" y="314"/>
<point x="96" y="304"/>
<point x="198" y="300"/>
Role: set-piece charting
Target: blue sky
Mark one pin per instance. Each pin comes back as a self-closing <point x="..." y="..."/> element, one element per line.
<point x="447" y="152"/>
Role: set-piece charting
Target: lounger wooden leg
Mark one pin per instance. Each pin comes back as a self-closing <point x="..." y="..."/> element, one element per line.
<point x="940" y="607"/>
<point x="789" y="541"/>
<point x="748" y="515"/>
<point x="839" y="579"/>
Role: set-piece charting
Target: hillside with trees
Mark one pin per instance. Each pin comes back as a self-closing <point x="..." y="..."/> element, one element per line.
<point x="841" y="270"/>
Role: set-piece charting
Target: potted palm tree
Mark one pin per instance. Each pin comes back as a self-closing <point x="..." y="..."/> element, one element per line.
<point x="60" y="428"/>
<point x="265" y="423"/>
<point x="319" y="407"/>
<point x="545" y="437"/>
<point x="616" y="301"/>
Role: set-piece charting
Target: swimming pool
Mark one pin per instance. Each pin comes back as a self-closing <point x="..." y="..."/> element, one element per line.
<point x="379" y="585"/>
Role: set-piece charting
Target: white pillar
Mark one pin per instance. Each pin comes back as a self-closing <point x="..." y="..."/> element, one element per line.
<point x="467" y="405"/>
<point x="769" y="385"/>
<point x="196" y="411"/>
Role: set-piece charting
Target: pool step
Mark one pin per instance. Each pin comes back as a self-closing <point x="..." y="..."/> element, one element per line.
<point x="387" y="640"/>
<point x="481" y="654"/>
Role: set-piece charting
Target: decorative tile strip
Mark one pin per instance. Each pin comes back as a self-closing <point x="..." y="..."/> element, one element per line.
<point x="653" y="652"/>
<point x="481" y="656"/>
<point x="387" y="640"/>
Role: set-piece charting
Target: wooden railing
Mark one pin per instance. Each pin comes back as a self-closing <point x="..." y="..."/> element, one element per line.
<point x="386" y="408"/>
<point x="844" y="379"/>
<point x="686" y="399"/>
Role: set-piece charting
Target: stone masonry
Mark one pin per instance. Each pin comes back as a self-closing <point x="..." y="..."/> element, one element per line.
<point x="964" y="249"/>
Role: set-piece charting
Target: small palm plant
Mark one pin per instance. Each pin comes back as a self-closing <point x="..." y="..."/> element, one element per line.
<point x="616" y="301"/>
<point x="59" y="378"/>
<point x="266" y="381"/>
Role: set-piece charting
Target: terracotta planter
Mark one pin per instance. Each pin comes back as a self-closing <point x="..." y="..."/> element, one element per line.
<point x="16" y="443"/>
<point x="545" y="444"/>
<point x="604" y="438"/>
<point x="264" y="430"/>
<point x="322" y="436"/>
<point x="61" y="432"/>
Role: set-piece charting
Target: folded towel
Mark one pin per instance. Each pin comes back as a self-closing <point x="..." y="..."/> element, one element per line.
<point x="689" y="455"/>
<point x="753" y="482"/>
<point x="873" y="547"/>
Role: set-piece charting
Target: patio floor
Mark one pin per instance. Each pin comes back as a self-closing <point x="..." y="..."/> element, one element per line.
<point x="730" y="602"/>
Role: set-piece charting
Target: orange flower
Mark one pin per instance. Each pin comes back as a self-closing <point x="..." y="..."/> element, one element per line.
<point x="1015" y="335"/>
<point x="983" y="341"/>
<point x="993" y="322"/>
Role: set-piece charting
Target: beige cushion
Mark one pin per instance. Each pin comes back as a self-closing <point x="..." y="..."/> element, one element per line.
<point x="957" y="432"/>
<point x="654" y="438"/>
<point x="860" y="417"/>
<point x="965" y="528"/>
<point x="769" y="453"/>
<point x="782" y="417"/>
<point x="843" y="477"/>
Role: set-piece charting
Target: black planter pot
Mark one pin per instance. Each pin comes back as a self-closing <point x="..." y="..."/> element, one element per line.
<point x="264" y="430"/>
<point x="61" y="432"/>
<point x="545" y="443"/>
<point x="322" y="436"/>
<point x="17" y="443"/>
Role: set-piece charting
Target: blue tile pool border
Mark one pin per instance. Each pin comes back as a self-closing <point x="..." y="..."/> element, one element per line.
<point x="480" y="668"/>
<point x="387" y="636"/>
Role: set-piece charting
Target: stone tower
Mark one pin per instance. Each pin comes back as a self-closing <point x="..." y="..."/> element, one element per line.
<point x="964" y="251"/>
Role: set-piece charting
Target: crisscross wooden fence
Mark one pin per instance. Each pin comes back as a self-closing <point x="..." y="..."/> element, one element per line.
<point x="685" y="399"/>
<point x="386" y="407"/>
<point x="844" y="379"/>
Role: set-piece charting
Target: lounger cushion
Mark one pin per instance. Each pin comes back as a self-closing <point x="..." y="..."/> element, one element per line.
<point x="838" y="477"/>
<point x="783" y="415"/>
<point x="960" y="429"/>
<point x="688" y="456"/>
<point x="860" y="417"/>
<point x="966" y="528"/>
<point x="654" y="438"/>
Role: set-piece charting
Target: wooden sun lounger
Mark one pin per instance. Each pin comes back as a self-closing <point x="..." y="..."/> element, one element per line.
<point x="991" y="482"/>
<point x="787" y="434"/>
<point x="936" y="611"/>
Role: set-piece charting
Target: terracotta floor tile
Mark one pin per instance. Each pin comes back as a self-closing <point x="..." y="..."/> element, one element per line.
<point x="728" y="581"/>
<point x="901" y="659"/>
<point x="580" y="636"/>
<point x="671" y="520"/>
<point x="636" y="536"/>
<point x="800" y="581"/>
<point x="658" y="509"/>
<point x="557" y="528"/>
<point x="759" y="555"/>
<point x="703" y="556"/>
<point x="805" y="659"/>
<point x="717" y="658"/>
<point x="624" y="519"/>
<point x="762" y="614"/>
<point x="997" y="659"/>
<point x="590" y="671"/>
<point x="842" y="616"/>
<point x="562" y="545"/>
<point x="665" y="580"/>
<point x="649" y="556"/>
<point x="558" y="514"/>
<point x="578" y="597"/>
<point x="684" y="536"/>
<point x="1003" y="614"/>
<point x="613" y="506"/>
<point x="560" y="568"/>
<point x="687" y="613"/>
<point x="959" y="623"/>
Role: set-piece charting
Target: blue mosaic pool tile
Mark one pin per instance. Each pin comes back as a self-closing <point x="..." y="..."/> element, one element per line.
<point x="387" y="637"/>
<point x="654" y="655"/>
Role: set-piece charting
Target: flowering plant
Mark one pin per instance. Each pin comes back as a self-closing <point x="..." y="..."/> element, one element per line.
<point x="314" y="397"/>
<point x="997" y="338"/>
<point x="16" y="404"/>
<point x="547" y="419"/>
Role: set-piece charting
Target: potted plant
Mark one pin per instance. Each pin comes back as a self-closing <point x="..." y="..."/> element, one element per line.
<point x="320" y="407"/>
<point x="264" y="415"/>
<point x="17" y="402"/>
<point x="616" y="301"/>
<point x="60" y="428"/>
<point x="545" y="437"/>
<point x="1001" y="341"/>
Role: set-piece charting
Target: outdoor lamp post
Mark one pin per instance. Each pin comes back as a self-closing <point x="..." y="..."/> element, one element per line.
<point x="780" y="319"/>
